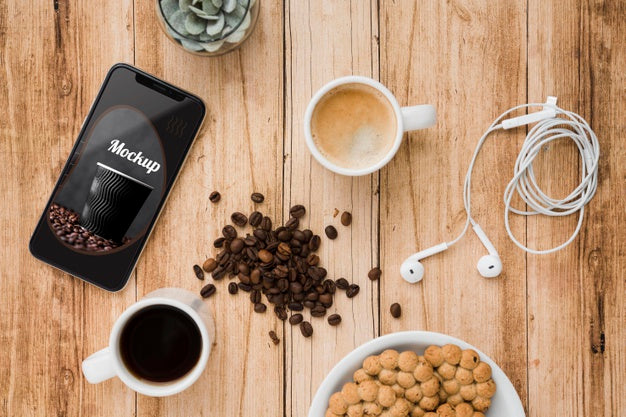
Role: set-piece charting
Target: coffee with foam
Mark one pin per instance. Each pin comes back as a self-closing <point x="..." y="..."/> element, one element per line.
<point x="354" y="126"/>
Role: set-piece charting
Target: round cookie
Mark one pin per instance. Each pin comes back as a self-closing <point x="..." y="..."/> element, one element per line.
<point x="469" y="359"/>
<point x="398" y="390"/>
<point x="368" y="390"/>
<point x="430" y="388"/>
<point x="386" y="396"/>
<point x="429" y="403"/>
<point x="468" y="392"/>
<point x="389" y="359"/>
<point x="482" y="372"/>
<point x="423" y="370"/>
<point x="451" y="354"/>
<point x="481" y="404"/>
<point x="372" y="409"/>
<point x="417" y="412"/>
<point x="331" y="414"/>
<point x="446" y="371"/>
<point x="372" y="365"/>
<point x="337" y="404"/>
<point x="387" y="376"/>
<point x="405" y="379"/>
<point x="400" y="408"/>
<point x="407" y="361"/>
<point x="355" y="410"/>
<point x="434" y="355"/>
<point x="486" y="389"/>
<point x="445" y="410"/>
<point x="455" y="399"/>
<point x="464" y="376"/>
<point x="350" y="393"/>
<point x="451" y="386"/>
<point x="360" y="375"/>
<point x="414" y="394"/>
<point x="464" y="410"/>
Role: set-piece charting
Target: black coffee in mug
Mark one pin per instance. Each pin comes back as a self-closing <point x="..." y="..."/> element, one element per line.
<point x="160" y="343"/>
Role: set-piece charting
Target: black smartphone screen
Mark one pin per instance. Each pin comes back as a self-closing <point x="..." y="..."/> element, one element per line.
<point x="117" y="177"/>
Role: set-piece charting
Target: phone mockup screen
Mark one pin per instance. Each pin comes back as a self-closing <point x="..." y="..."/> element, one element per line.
<point x="127" y="156"/>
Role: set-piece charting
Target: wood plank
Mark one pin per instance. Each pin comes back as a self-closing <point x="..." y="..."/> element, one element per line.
<point x="325" y="40"/>
<point x="239" y="152"/>
<point x="52" y="66"/>
<point x="468" y="59"/>
<point x="576" y="308"/>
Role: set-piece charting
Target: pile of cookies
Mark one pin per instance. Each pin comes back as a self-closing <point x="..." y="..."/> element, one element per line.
<point x="445" y="382"/>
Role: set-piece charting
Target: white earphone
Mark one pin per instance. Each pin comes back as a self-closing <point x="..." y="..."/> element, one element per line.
<point x="549" y="128"/>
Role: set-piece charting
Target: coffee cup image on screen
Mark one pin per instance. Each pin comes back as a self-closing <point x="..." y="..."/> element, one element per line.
<point x="112" y="188"/>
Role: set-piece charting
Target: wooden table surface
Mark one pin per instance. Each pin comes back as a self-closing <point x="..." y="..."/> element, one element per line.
<point x="556" y="324"/>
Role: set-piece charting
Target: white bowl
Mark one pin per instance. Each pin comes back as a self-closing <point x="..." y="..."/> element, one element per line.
<point x="505" y="402"/>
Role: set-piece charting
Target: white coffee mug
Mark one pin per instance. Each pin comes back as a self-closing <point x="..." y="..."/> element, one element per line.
<point x="407" y="118"/>
<point x="107" y="363"/>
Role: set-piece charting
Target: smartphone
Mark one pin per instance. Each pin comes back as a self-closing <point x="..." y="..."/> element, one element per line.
<point x="115" y="182"/>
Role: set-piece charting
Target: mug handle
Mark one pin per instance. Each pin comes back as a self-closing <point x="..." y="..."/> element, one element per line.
<point x="99" y="366"/>
<point x="418" y="117"/>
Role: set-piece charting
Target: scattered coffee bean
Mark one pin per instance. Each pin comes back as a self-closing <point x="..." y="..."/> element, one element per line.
<point x="396" y="310"/>
<point x="292" y="223"/>
<point x="318" y="311"/>
<point x="296" y="306"/>
<point x="331" y="232"/>
<point x="229" y="232"/>
<point x="334" y="319"/>
<point x="214" y="197"/>
<point x="207" y="291"/>
<point x="266" y="224"/>
<point x="209" y="265"/>
<point x="255" y="297"/>
<point x="274" y="337"/>
<point x="280" y="312"/>
<point x="342" y="283"/>
<point x="198" y="271"/>
<point x="306" y="329"/>
<point x="255" y="218"/>
<point x="374" y="274"/>
<point x="233" y="288"/>
<point x="257" y="197"/>
<point x="260" y="308"/>
<point x="297" y="211"/>
<point x="219" y="242"/>
<point x="296" y="319"/>
<point x="239" y="219"/>
<point x="352" y="290"/>
<point x="346" y="218"/>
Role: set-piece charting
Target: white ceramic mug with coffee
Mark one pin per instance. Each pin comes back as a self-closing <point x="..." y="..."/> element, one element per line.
<point x="159" y="346"/>
<point x="354" y="125"/>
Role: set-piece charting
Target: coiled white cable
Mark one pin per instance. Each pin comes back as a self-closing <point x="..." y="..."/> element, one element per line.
<point x="570" y="126"/>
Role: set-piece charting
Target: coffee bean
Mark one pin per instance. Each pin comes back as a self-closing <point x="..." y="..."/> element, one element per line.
<point x="314" y="243"/>
<point x="306" y="329"/>
<point x="207" y="291"/>
<point x="296" y="306"/>
<point x="265" y="256"/>
<point x="318" y="311"/>
<point x="239" y="219"/>
<point x="284" y="249"/>
<point x="229" y="232"/>
<point x="209" y="265"/>
<point x="260" y="234"/>
<point x="260" y="308"/>
<point x="218" y="273"/>
<point x="257" y="197"/>
<point x="334" y="319"/>
<point x="266" y="224"/>
<point x="255" y="296"/>
<point x="214" y="197"/>
<point x="297" y="211"/>
<point x="219" y="242"/>
<point x="292" y="223"/>
<point x="342" y="283"/>
<point x="374" y="274"/>
<point x="280" y="312"/>
<point x="352" y="290"/>
<point x="244" y="287"/>
<point x="331" y="232"/>
<point x="312" y="259"/>
<point x="396" y="310"/>
<point x="346" y="218"/>
<point x="273" y="336"/>
<point x="296" y="319"/>
<point x="198" y="271"/>
<point x="236" y="245"/>
<point x="285" y="235"/>
<point x="255" y="218"/>
<point x="233" y="288"/>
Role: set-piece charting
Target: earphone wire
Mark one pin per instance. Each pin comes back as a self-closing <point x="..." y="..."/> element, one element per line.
<point x="524" y="182"/>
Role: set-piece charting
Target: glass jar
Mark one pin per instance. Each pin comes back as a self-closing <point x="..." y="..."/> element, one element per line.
<point x="208" y="27"/>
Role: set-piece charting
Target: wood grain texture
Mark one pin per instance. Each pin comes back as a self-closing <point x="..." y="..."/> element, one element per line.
<point x="321" y="46"/>
<point x="52" y="62"/>
<point x="554" y="323"/>
<point x="442" y="53"/>
<point x="576" y="313"/>
<point x="239" y="152"/>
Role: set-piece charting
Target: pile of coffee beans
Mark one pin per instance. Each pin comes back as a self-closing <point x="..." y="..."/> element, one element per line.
<point x="279" y="263"/>
<point x="65" y="225"/>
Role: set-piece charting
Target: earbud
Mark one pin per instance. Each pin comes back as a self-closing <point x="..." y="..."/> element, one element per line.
<point x="412" y="270"/>
<point x="489" y="266"/>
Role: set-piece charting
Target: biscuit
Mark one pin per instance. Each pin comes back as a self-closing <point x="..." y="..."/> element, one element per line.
<point x="468" y="392"/>
<point x="480" y="403"/>
<point x="407" y="361"/>
<point x="482" y="372"/>
<point x="350" y="393"/>
<point x="455" y="399"/>
<point x="372" y="409"/>
<point x="414" y="394"/>
<point x="405" y="379"/>
<point x="368" y="390"/>
<point x="464" y="410"/>
<point x="386" y="396"/>
<point x="446" y="370"/>
<point x="400" y="408"/>
<point x="388" y="377"/>
<point x="423" y="370"/>
<point x="451" y="354"/>
<point x="360" y="375"/>
<point x="337" y="404"/>
<point x="355" y="410"/>
<point x="398" y="390"/>
<point x="486" y="389"/>
<point x="469" y="359"/>
<point x="429" y="403"/>
<point x="445" y="410"/>
<point x="389" y="359"/>
<point x="451" y="386"/>
<point x="464" y="376"/>
<point x="430" y="388"/>
<point x="434" y="355"/>
<point x="331" y="414"/>
<point x="417" y="412"/>
<point x="372" y="365"/>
